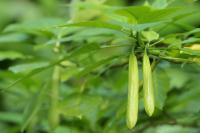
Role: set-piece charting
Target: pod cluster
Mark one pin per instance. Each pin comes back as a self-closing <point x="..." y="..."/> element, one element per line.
<point x="133" y="89"/>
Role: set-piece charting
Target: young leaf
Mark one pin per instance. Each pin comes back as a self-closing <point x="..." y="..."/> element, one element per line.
<point x="150" y="35"/>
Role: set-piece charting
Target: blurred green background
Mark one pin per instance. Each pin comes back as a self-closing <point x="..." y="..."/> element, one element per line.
<point x="95" y="103"/>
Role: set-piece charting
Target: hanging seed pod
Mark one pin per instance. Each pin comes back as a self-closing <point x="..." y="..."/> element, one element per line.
<point x="133" y="87"/>
<point x="148" y="86"/>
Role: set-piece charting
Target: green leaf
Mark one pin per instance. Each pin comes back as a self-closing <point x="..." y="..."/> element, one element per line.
<point x="38" y="24"/>
<point x="10" y="117"/>
<point x="173" y="129"/>
<point x="33" y="107"/>
<point x="116" y="25"/>
<point x="28" y="75"/>
<point x="144" y="14"/>
<point x="93" y="66"/>
<point x="178" y="77"/>
<point x="160" y="4"/>
<point x="14" y="37"/>
<point x="190" y="52"/>
<point x="25" y="68"/>
<point x="140" y="27"/>
<point x="68" y="129"/>
<point x="172" y="40"/>
<point x="96" y="24"/>
<point x="196" y="30"/>
<point x="43" y="26"/>
<point x="188" y="100"/>
<point x="82" y="50"/>
<point x="82" y="106"/>
<point x="150" y="35"/>
<point x="12" y="55"/>
<point x="85" y="49"/>
<point x="191" y="40"/>
<point x="161" y="87"/>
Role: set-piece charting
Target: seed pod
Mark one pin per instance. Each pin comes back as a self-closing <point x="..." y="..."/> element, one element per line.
<point x="133" y="86"/>
<point x="148" y="86"/>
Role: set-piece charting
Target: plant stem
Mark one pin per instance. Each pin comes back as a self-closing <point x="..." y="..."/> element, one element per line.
<point x="54" y="93"/>
<point x="53" y="110"/>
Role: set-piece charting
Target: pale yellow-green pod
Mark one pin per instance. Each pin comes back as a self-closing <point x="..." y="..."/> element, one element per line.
<point x="133" y="87"/>
<point x="148" y="86"/>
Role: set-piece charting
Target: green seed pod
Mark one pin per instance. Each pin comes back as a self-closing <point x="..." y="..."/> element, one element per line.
<point x="148" y="86"/>
<point x="133" y="87"/>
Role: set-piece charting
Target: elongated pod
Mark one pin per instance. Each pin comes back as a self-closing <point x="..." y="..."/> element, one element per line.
<point x="148" y="86"/>
<point x="133" y="87"/>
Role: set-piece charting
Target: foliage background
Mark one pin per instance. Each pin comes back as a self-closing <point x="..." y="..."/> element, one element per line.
<point x="93" y="89"/>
